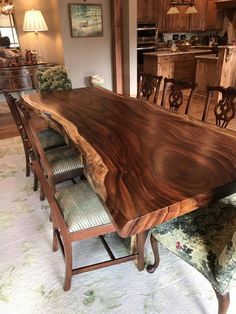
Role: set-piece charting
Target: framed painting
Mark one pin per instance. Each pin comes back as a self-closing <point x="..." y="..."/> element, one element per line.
<point x="86" y="20"/>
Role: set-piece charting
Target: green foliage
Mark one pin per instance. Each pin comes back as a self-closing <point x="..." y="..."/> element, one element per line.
<point x="53" y="79"/>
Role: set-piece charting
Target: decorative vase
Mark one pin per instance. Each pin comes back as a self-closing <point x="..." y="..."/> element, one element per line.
<point x="96" y="80"/>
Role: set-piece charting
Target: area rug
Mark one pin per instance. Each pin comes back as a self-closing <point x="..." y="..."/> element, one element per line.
<point x="31" y="275"/>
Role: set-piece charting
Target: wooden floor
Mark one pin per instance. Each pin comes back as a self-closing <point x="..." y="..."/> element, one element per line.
<point x="8" y="128"/>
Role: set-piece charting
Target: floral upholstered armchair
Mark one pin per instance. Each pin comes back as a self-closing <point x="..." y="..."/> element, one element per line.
<point x="53" y="79"/>
<point x="205" y="239"/>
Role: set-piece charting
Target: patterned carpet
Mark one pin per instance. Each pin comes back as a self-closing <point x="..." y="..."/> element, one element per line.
<point x="31" y="275"/>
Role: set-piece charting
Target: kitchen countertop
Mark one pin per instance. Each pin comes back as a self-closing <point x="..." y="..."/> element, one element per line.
<point x="207" y="57"/>
<point x="165" y="52"/>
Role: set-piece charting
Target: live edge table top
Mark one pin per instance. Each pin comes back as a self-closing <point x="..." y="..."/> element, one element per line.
<point x="147" y="164"/>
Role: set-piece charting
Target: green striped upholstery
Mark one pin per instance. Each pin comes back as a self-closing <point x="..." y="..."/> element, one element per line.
<point x="206" y="239"/>
<point x="50" y="139"/>
<point x="81" y="207"/>
<point x="63" y="159"/>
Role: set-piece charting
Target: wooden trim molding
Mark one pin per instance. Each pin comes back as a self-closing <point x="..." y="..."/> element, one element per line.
<point x="117" y="45"/>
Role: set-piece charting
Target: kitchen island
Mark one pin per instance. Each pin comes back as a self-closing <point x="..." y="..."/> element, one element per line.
<point x="207" y="72"/>
<point x="214" y="70"/>
<point x="179" y="64"/>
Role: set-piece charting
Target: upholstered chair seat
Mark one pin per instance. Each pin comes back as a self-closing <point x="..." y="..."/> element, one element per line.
<point x="81" y="207"/>
<point x="78" y="214"/>
<point x="206" y="239"/>
<point x="50" y="139"/>
<point x="63" y="160"/>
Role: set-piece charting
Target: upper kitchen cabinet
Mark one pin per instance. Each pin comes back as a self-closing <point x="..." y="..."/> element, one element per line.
<point x="154" y="11"/>
<point x="176" y="22"/>
<point x="149" y="11"/>
<point x="198" y="20"/>
<point x="211" y="15"/>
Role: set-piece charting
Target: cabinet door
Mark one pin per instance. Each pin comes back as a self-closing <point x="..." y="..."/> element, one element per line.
<point x="149" y="10"/>
<point x="176" y="22"/>
<point x="211" y="15"/>
<point x="155" y="11"/>
<point x="142" y="10"/>
<point x="198" y="20"/>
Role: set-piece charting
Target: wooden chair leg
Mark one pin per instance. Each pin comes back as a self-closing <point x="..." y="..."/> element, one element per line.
<point x="68" y="265"/>
<point x="42" y="196"/>
<point x="27" y="164"/>
<point x="35" y="187"/>
<point x="141" y="238"/>
<point x="223" y="302"/>
<point x="152" y="267"/>
<point x="55" y="240"/>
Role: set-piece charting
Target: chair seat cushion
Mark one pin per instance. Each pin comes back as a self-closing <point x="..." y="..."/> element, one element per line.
<point x="50" y="139"/>
<point x="206" y="239"/>
<point x="62" y="159"/>
<point x="81" y="207"/>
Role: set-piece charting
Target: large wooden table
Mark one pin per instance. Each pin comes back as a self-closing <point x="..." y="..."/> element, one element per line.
<point x="146" y="163"/>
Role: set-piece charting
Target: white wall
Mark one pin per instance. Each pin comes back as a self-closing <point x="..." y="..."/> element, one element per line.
<point x="130" y="47"/>
<point x="87" y="56"/>
<point x="50" y="41"/>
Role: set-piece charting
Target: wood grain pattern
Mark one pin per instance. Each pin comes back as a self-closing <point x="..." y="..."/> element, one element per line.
<point x="148" y="165"/>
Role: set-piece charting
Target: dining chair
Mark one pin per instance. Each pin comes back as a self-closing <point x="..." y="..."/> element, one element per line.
<point x="54" y="78"/>
<point x="48" y="137"/>
<point x="174" y="88"/>
<point x="78" y="214"/>
<point x="224" y="109"/>
<point x="60" y="163"/>
<point x="148" y="86"/>
<point x="205" y="239"/>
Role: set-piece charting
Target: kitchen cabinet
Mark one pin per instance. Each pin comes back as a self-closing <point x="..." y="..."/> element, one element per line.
<point x="178" y="65"/>
<point x="176" y="22"/>
<point x="206" y="73"/>
<point x="198" y="20"/>
<point x="149" y="11"/>
<point x="205" y="19"/>
<point x="211" y="15"/>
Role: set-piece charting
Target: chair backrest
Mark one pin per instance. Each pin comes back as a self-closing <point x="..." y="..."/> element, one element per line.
<point x="33" y="137"/>
<point x="224" y="109"/>
<point x="148" y="86"/>
<point x="12" y="103"/>
<point x="53" y="79"/>
<point x="176" y="97"/>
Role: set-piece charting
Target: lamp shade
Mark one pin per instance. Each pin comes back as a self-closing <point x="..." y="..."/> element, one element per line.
<point x="34" y="21"/>
<point x="191" y="10"/>
<point x="173" y="10"/>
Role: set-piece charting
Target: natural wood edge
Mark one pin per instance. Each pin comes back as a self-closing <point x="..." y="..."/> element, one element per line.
<point x="95" y="169"/>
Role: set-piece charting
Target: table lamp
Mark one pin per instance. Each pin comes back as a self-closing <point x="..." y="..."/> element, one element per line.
<point x="34" y="22"/>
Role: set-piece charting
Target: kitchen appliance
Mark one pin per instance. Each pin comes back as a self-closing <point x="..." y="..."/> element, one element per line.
<point x="147" y="35"/>
<point x="175" y="37"/>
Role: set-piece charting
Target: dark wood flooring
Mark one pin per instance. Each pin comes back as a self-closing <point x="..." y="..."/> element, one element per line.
<point x="8" y="128"/>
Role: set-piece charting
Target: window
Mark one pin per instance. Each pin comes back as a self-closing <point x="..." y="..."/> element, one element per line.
<point x="8" y="29"/>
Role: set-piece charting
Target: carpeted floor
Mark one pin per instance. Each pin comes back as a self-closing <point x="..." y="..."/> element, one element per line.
<point x="31" y="275"/>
